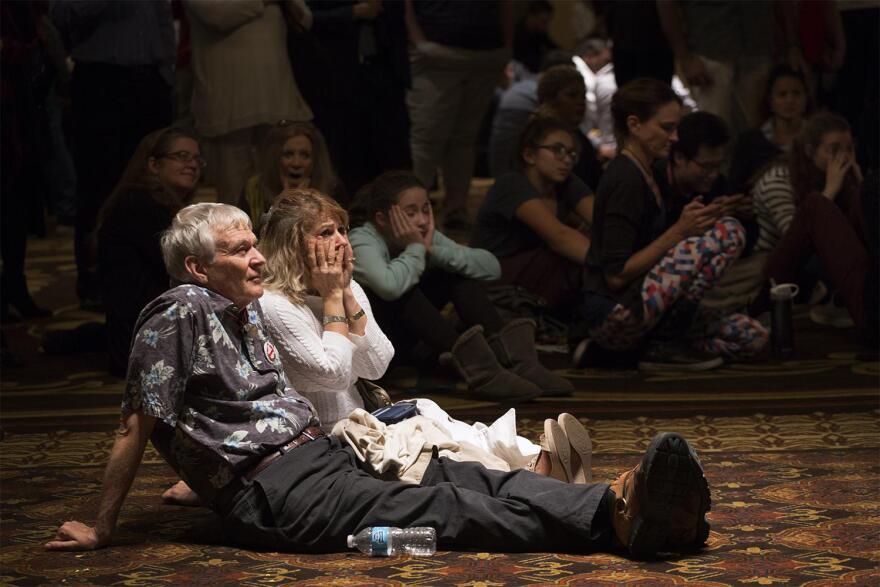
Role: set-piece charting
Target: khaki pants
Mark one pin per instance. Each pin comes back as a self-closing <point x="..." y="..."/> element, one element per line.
<point x="735" y="93"/>
<point x="232" y="159"/>
<point x="451" y="90"/>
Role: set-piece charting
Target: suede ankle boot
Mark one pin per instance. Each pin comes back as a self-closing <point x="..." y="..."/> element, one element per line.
<point x="514" y="345"/>
<point x="486" y="378"/>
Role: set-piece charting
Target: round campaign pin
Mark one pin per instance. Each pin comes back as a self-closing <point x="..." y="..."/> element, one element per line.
<point x="269" y="349"/>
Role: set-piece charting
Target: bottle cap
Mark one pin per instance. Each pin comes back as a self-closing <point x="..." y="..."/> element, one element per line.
<point x="350" y="541"/>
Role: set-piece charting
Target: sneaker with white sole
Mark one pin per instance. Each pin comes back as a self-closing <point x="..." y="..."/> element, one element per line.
<point x="831" y="314"/>
<point x="677" y="356"/>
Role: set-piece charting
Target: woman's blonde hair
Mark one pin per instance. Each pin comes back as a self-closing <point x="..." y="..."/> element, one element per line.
<point x="284" y="237"/>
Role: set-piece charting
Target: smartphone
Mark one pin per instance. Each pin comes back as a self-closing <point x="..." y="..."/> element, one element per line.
<point x="396" y="412"/>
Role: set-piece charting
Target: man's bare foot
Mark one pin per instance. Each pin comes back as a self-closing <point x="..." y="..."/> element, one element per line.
<point x="181" y="494"/>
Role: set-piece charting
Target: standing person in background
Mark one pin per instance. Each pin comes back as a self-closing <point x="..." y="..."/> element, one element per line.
<point x="120" y="91"/>
<point x="459" y="50"/>
<point x="783" y="107"/>
<point x="22" y="123"/>
<point x="724" y="50"/>
<point x="410" y="271"/>
<point x="649" y="265"/>
<point x="640" y="49"/>
<point x="530" y="39"/>
<point x="356" y="85"/>
<point x="242" y="82"/>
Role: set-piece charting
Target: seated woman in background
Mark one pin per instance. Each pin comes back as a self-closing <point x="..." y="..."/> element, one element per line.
<point x="783" y="108"/>
<point x="160" y="179"/>
<point x="293" y="155"/>
<point x="812" y="205"/>
<point x="410" y="271"/>
<point x="562" y="95"/>
<point x="525" y="218"/>
<point x="646" y="268"/>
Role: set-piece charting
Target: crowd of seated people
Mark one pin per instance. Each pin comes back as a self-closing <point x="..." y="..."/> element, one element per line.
<point x="628" y="249"/>
<point x="603" y="243"/>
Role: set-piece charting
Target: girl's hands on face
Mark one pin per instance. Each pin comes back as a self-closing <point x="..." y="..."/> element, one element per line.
<point x="835" y="173"/>
<point x="403" y="232"/>
<point x="325" y="266"/>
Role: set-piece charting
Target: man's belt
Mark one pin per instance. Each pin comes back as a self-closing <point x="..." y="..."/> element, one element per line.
<point x="307" y="435"/>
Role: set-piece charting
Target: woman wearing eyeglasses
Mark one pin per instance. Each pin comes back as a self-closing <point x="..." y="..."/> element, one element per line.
<point x="293" y="155"/>
<point x="649" y="264"/>
<point x="534" y="218"/>
<point x="160" y="179"/>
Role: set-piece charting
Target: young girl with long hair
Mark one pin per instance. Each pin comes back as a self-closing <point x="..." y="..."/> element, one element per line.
<point x="534" y="219"/>
<point x="411" y="270"/>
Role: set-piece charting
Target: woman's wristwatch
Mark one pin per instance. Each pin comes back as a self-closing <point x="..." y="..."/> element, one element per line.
<point x="357" y="316"/>
<point x="330" y="318"/>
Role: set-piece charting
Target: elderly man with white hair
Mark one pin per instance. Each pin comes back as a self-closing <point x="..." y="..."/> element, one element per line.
<point x="206" y="386"/>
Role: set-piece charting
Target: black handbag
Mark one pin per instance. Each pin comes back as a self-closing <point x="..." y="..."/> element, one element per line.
<point x="373" y="395"/>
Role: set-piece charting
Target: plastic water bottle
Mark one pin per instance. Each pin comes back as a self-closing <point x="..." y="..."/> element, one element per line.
<point x="390" y="541"/>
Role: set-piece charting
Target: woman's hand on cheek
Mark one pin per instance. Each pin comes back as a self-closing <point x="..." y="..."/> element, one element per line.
<point x="347" y="264"/>
<point x="327" y="274"/>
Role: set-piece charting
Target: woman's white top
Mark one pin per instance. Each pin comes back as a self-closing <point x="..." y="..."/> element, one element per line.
<point x="324" y="365"/>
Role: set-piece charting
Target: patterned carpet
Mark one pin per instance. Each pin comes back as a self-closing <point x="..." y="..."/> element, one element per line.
<point x="792" y="453"/>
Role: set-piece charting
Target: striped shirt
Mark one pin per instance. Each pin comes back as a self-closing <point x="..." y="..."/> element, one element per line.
<point x="773" y="200"/>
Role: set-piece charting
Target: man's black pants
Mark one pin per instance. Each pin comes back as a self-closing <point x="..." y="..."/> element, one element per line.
<point x="310" y="499"/>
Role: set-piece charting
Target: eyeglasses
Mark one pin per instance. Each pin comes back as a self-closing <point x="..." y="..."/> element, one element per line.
<point x="561" y="151"/>
<point x="185" y="157"/>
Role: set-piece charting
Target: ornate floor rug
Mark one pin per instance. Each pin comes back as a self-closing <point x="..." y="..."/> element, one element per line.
<point x="791" y="450"/>
<point x="796" y="501"/>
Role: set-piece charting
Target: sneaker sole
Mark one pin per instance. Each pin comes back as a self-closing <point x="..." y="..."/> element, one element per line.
<point x="834" y="321"/>
<point x="701" y="366"/>
<point x="672" y="472"/>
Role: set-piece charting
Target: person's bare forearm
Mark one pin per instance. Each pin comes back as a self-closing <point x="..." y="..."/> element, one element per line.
<point x="352" y="307"/>
<point x="413" y="30"/>
<point x="125" y="457"/>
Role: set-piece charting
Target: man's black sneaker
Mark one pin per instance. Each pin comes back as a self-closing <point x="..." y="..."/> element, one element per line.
<point x="677" y="356"/>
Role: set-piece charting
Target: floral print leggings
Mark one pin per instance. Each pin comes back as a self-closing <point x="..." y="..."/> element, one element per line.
<point x="686" y="272"/>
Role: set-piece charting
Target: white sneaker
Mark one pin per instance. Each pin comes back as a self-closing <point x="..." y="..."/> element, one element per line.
<point x="830" y="314"/>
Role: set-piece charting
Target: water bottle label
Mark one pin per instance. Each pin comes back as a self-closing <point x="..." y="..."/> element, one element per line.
<point x="380" y="537"/>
